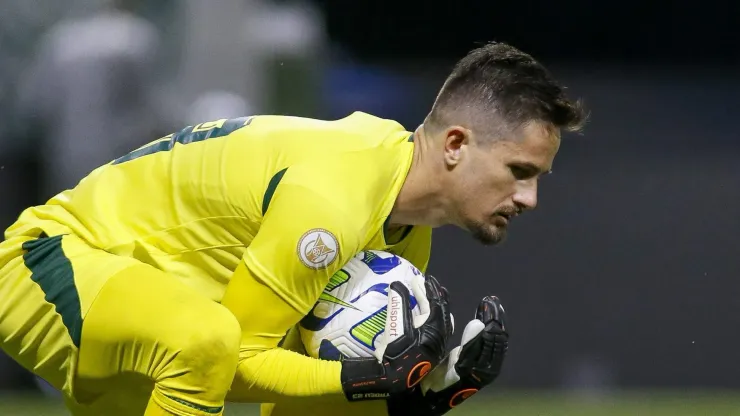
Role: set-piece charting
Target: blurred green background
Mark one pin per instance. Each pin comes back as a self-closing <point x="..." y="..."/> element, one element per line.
<point x="504" y="403"/>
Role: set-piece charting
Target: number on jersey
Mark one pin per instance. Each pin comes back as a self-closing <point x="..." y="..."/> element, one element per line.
<point x="190" y="134"/>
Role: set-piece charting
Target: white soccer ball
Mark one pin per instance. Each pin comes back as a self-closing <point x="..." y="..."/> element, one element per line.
<point x="350" y="315"/>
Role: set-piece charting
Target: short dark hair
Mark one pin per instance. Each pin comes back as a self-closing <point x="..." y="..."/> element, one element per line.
<point x="501" y="81"/>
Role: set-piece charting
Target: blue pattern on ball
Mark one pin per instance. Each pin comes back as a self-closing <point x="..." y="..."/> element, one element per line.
<point x="380" y="265"/>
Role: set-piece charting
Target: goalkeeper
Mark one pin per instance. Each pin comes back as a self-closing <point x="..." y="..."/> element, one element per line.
<point x="175" y="270"/>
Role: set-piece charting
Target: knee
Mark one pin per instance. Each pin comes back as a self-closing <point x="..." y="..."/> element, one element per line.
<point x="201" y="368"/>
<point x="210" y="345"/>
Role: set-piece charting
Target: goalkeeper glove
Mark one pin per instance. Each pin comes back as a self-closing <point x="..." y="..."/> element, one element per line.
<point x="411" y="348"/>
<point x="473" y="365"/>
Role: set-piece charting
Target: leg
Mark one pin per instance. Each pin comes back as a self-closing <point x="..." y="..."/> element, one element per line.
<point x="146" y="327"/>
<point x="34" y="311"/>
<point x="106" y="330"/>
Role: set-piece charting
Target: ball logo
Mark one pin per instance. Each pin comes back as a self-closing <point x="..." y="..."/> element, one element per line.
<point x="394" y="327"/>
<point x="317" y="248"/>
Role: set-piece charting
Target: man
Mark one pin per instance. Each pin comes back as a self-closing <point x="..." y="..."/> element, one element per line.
<point x="179" y="267"/>
<point x="493" y="131"/>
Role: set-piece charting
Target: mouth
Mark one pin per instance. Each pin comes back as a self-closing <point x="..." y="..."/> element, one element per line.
<point x="506" y="216"/>
<point x="502" y="219"/>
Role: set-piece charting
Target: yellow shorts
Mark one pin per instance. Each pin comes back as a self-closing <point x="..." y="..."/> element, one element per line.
<point x="113" y="333"/>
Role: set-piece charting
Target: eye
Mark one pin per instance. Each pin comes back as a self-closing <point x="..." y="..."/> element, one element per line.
<point x="522" y="172"/>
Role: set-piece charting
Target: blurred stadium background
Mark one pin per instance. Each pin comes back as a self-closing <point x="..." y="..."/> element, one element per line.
<point x="622" y="289"/>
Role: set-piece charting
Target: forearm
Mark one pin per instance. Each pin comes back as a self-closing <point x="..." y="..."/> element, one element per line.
<point x="278" y="375"/>
<point x="267" y="373"/>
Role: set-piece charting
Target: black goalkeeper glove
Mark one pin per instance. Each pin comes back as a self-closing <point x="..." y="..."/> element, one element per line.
<point x="473" y="365"/>
<point x="412" y="346"/>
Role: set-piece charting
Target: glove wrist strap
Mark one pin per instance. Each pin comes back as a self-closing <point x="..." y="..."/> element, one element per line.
<point x="362" y="379"/>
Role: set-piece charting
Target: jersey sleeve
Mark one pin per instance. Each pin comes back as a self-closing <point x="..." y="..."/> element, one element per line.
<point x="303" y="239"/>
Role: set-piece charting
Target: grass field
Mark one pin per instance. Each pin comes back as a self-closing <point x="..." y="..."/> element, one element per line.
<point x="504" y="403"/>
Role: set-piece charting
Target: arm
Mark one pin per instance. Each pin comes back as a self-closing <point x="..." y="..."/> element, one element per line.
<point x="320" y="406"/>
<point x="282" y="274"/>
<point x="267" y="373"/>
<point x="415" y="249"/>
<point x="314" y="223"/>
<point x="409" y="352"/>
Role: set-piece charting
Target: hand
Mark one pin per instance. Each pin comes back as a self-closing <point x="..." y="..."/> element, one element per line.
<point x="469" y="367"/>
<point x="413" y="346"/>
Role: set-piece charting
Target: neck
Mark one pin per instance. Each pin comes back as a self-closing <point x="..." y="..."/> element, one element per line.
<point x="419" y="202"/>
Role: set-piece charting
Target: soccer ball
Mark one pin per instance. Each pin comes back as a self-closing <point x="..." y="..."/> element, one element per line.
<point x="350" y="315"/>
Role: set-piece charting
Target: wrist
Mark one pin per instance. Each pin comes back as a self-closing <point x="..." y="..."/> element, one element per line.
<point x="360" y="379"/>
<point x="333" y="377"/>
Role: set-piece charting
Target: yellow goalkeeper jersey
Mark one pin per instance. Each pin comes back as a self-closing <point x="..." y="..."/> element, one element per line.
<point x="293" y="198"/>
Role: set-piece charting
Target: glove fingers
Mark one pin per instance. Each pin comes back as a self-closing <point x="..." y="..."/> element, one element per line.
<point x="494" y="349"/>
<point x="491" y="310"/>
<point x="435" y="291"/>
<point x="439" y="303"/>
<point x="445" y="292"/>
<point x="481" y="346"/>
<point x="419" y="292"/>
<point x="446" y="297"/>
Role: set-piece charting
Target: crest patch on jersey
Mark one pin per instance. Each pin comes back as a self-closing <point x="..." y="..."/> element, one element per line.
<point x="317" y="248"/>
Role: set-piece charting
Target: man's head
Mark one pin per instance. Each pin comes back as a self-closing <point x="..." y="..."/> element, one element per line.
<point x="495" y="129"/>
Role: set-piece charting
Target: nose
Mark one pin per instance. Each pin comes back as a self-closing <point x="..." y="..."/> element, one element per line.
<point x="525" y="196"/>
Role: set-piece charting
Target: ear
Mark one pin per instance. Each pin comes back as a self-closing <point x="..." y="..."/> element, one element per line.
<point x="456" y="140"/>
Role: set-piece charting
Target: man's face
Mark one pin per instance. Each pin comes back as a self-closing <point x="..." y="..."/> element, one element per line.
<point x="493" y="182"/>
